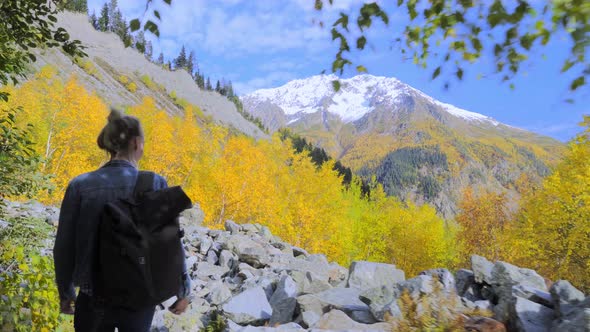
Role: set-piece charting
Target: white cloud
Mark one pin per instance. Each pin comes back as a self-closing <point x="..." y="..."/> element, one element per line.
<point x="271" y="79"/>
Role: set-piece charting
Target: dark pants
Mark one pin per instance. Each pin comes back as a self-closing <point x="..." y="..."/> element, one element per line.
<point x="92" y="316"/>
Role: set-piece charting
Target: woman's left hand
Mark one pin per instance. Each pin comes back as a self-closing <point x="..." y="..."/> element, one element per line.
<point x="179" y="306"/>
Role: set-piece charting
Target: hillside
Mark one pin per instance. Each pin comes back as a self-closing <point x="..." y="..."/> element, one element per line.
<point x="419" y="148"/>
<point x="110" y="69"/>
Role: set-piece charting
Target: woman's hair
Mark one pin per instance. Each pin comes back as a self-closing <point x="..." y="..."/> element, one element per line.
<point x="118" y="132"/>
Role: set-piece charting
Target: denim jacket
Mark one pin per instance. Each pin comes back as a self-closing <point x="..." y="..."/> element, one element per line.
<point x="75" y="244"/>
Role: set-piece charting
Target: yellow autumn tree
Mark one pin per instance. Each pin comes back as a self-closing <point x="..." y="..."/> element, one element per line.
<point x="483" y="219"/>
<point x="552" y="229"/>
<point x="67" y="120"/>
<point x="235" y="177"/>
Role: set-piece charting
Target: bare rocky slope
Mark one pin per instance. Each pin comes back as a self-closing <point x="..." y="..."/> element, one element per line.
<point x="111" y="60"/>
<point x="257" y="282"/>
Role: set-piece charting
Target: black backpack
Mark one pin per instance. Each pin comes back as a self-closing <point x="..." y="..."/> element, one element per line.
<point x="140" y="255"/>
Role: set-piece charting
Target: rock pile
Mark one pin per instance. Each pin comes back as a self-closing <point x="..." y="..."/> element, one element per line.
<point x="260" y="283"/>
<point x="257" y="282"/>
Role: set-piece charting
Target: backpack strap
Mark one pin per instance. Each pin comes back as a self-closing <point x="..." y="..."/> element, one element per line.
<point x="145" y="182"/>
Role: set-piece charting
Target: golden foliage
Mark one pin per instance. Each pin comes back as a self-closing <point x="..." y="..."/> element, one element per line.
<point x="551" y="232"/>
<point x="482" y="220"/>
<point x="235" y="177"/>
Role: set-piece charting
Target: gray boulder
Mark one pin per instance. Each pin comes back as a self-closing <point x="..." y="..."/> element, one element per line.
<point x="206" y="244"/>
<point x="232" y="227"/>
<point x="565" y="297"/>
<point x="249" y="307"/>
<point x="533" y="294"/>
<point x="504" y="277"/>
<point x="299" y="252"/>
<point x="345" y="299"/>
<point x="576" y="320"/>
<point x="311" y="309"/>
<point x="381" y="301"/>
<point x="420" y="285"/>
<point x="226" y="259"/>
<point x="286" y="288"/>
<point x="212" y="257"/>
<point x="466" y="286"/>
<point x="283" y="311"/>
<point x="219" y="293"/>
<point x="337" y="320"/>
<point x="531" y="316"/>
<point x="313" y="306"/>
<point x="249" y="251"/>
<point x="482" y="269"/>
<point x="207" y="270"/>
<point x="366" y="275"/>
<point x="445" y="277"/>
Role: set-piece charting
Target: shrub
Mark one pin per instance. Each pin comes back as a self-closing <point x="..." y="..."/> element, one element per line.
<point x="434" y="312"/>
<point x="123" y="79"/>
<point x="147" y="81"/>
<point x="132" y="87"/>
<point x="29" y="301"/>
<point x="88" y="66"/>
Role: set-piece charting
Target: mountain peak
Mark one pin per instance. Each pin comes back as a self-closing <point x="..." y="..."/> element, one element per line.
<point x="358" y="96"/>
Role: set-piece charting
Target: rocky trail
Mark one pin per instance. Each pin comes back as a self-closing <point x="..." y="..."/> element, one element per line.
<point x="257" y="282"/>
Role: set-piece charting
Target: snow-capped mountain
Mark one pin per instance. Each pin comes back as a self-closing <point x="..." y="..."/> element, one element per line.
<point x="417" y="147"/>
<point x="357" y="97"/>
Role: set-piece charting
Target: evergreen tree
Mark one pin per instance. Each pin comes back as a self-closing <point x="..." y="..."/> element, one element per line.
<point x="190" y="63"/>
<point x="199" y="79"/>
<point x="181" y="61"/>
<point x="208" y="86"/>
<point x="139" y="42"/>
<point x="115" y="16"/>
<point x="103" y="21"/>
<point x="94" y="21"/>
<point x="230" y="90"/>
<point x="160" y="59"/>
<point x="169" y="65"/>
<point x="149" y="50"/>
<point x="80" y="6"/>
<point x="218" y="87"/>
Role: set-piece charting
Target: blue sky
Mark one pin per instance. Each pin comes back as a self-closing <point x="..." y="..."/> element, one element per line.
<point x="265" y="43"/>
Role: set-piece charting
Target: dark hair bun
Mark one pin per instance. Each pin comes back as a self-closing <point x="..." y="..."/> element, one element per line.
<point x="118" y="132"/>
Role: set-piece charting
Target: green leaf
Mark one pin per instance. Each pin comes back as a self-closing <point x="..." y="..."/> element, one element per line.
<point x="343" y="20"/>
<point x="318" y="4"/>
<point x="566" y="66"/>
<point x="336" y="85"/>
<point x="436" y="72"/>
<point x="134" y="25"/>
<point x="168" y="1"/>
<point x="460" y="73"/>
<point x="152" y="27"/>
<point x="157" y="14"/>
<point x="512" y="86"/>
<point x="578" y="82"/>
<point x="360" y="43"/>
<point x="336" y="34"/>
<point x="361" y="69"/>
<point x="497" y="50"/>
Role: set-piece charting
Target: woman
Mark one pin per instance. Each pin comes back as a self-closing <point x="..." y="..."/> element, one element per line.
<point x="75" y="244"/>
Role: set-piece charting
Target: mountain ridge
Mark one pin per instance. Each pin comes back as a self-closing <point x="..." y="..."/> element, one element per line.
<point x="294" y="102"/>
<point x="370" y="118"/>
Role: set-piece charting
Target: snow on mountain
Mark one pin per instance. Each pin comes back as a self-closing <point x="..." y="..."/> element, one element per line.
<point x="357" y="96"/>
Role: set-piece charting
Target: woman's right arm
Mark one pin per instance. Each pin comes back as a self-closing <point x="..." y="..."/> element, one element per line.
<point x="64" y="250"/>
